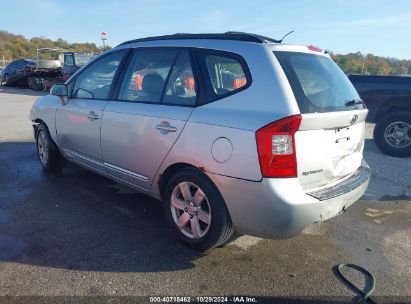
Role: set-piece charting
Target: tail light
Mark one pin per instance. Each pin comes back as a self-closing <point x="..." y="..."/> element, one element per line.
<point x="315" y="49"/>
<point x="276" y="147"/>
<point x="66" y="76"/>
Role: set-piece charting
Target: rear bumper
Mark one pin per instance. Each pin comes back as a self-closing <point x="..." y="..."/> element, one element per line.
<point x="279" y="208"/>
<point x="361" y="176"/>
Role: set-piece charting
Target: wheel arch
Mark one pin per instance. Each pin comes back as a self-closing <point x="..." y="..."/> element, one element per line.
<point x="390" y="107"/>
<point x="169" y="172"/>
<point x="219" y="232"/>
<point x="39" y="121"/>
<point x="36" y="123"/>
<point x="44" y="112"/>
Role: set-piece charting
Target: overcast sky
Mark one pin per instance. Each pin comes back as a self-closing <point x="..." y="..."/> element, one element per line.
<point x="381" y="27"/>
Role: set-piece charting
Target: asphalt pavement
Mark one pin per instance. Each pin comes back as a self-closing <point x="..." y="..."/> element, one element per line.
<point x="80" y="234"/>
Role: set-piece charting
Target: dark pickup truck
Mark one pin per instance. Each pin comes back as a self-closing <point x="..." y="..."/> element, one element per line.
<point x="74" y="61"/>
<point x="388" y="99"/>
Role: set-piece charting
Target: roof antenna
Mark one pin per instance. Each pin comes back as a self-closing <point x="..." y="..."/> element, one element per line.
<point x="289" y="33"/>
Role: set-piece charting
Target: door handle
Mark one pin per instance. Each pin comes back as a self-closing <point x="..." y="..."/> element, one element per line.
<point x="92" y="116"/>
<point x="165" y="127"/>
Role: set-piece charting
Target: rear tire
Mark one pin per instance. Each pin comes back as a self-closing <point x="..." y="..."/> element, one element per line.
<point x="37" y="84"/>
<point x="196" y="211"/>
<point x="48" y="153"/>
<point x="392" y="134"/>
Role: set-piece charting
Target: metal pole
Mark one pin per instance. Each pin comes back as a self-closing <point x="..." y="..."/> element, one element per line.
<point x="104" y="45"/>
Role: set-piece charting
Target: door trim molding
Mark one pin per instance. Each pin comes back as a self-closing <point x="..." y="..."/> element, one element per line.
<point x="78" y="157"/>
<point x="127" y="172"/>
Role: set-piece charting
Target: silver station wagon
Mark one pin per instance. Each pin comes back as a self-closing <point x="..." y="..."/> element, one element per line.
<point x="231" y="131"/>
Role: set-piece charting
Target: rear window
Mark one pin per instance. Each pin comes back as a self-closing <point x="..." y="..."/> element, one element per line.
<point x="319" y="85"/>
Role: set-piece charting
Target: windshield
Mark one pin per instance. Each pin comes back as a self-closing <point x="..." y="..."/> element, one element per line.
<point x="82" y="59"/>
<point x="318" y="83"/>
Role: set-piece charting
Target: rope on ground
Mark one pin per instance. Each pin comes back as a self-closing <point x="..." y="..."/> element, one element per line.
<point x="364" y="296"/>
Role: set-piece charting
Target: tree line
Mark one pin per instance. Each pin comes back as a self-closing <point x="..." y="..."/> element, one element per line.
<point x="14" y="47"/>
<point x="17" y="46"/>
<point x="358" y="63"/>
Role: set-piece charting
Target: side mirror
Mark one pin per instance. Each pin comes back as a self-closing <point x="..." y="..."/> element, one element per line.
<point x="59" y="89"/>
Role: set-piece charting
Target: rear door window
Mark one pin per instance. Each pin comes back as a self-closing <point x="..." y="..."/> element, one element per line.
<point x="181" y="86"/>
<point x="146" y="75"/>
<point x="319" y="85"/>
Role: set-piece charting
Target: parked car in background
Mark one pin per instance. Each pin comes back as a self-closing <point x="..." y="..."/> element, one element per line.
<point x="17" y="71"/>
<point x="48" y="69"/>
<point x="388" y="99"/>
<point x="74" y="61"/>
<point x="231" y="131"/>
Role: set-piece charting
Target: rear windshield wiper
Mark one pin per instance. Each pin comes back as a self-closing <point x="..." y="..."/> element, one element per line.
<point x="354" y="102"/>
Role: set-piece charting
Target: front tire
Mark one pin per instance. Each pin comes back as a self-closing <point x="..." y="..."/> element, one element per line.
<point x="196" y="210"/>
<point x="37" y="84"/>
<point x="392" y="134"/>
<point x="5" y="80"/>
<point x="49" y="155"/>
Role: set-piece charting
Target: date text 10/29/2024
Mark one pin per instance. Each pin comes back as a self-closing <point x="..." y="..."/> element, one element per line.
<point x="203" y="299"/>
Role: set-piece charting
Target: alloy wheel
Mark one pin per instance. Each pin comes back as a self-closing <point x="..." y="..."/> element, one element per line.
<point x="43" y="148"/>
<point x="398" y="134"/>
<point x="191" y="210"/>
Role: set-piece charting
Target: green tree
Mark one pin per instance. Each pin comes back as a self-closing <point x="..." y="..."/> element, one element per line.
<point x="17" y="46"/>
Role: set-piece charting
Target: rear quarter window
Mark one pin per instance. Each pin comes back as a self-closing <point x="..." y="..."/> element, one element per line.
<point x="223" y="73"/>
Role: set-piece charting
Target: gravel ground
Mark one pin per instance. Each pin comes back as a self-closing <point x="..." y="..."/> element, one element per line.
<point x="391" y="176"/>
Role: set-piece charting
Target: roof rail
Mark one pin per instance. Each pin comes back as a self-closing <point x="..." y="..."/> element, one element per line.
<point x="239" y="36"/>
<point x="261" y="37"/>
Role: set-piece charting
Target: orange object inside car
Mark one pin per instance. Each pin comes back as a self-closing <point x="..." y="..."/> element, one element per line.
<point x="189" y="83"/>
<point x="138" y="82"/>
<point x="238" y="83"/>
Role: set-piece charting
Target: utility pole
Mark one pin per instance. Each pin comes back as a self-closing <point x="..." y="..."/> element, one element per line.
<point x="104" y="38"/>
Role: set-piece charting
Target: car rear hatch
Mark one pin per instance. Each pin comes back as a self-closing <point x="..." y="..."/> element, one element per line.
<point x="330" y="140"/>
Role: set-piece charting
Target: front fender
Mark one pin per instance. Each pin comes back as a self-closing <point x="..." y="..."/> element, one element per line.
<point x="44" y="109"/>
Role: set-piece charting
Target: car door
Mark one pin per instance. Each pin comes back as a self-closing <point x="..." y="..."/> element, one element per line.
<point x="68" y="66"/>
<point x="13" y="71"/>
<point x="78" y="120"/>
<point x="156" y="96"/>
<point x="19" y="73"/>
